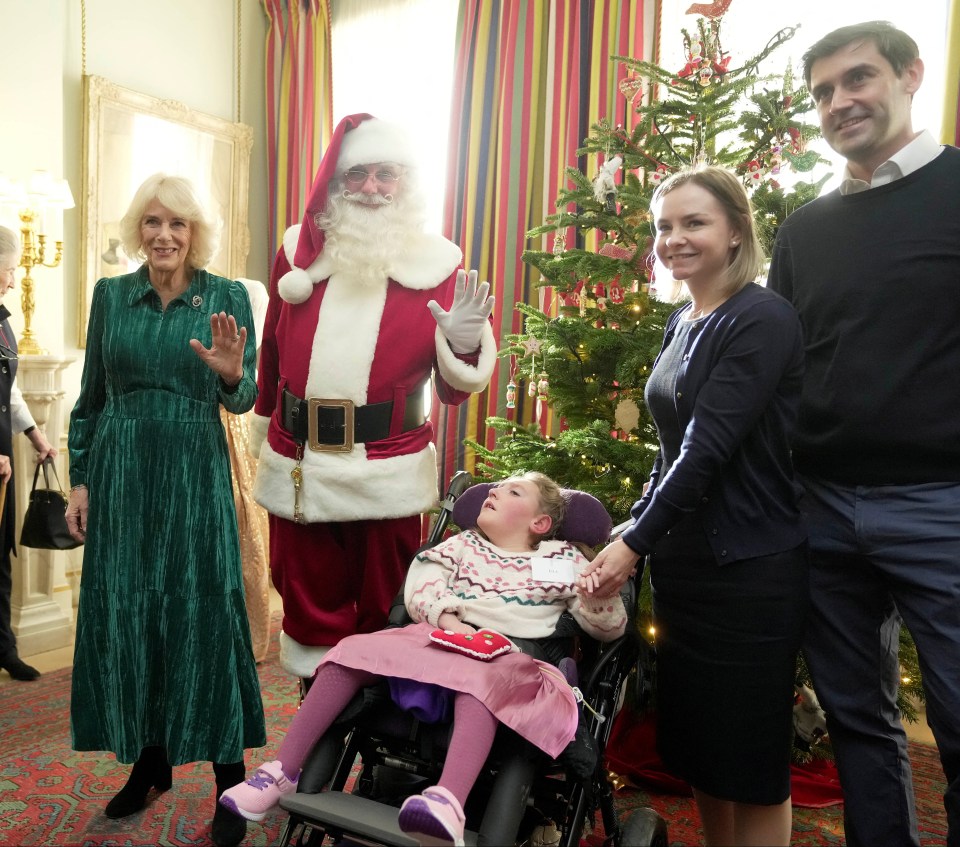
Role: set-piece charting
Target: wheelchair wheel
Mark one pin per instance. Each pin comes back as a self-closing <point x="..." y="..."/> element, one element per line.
<point x="644" y="828"/>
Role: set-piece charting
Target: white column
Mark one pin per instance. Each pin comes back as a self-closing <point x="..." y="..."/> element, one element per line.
<point x="42" y="601"/>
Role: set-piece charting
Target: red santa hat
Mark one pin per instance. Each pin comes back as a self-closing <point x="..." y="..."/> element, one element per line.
<point x="359" y="139"/>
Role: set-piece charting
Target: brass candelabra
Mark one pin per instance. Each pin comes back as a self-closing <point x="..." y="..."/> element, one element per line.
<point x="33" y="255"/>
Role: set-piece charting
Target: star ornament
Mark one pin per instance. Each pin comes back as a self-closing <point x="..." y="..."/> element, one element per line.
<point x="532" y="346"/>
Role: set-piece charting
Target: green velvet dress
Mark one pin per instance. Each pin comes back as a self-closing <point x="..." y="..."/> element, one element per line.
<point x="163" y="654"/>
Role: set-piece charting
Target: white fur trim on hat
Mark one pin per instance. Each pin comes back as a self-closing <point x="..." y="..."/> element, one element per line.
<point x="295" y="286"/>
<point x="376" y="141"/>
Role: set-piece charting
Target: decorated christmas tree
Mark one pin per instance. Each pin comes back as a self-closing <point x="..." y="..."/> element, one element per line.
<point x="588" y="352"/>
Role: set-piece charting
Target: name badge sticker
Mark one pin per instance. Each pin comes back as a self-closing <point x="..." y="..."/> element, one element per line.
<point x="556" y="571"/>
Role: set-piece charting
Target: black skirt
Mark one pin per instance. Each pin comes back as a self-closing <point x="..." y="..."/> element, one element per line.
<point x="727" y="640"/>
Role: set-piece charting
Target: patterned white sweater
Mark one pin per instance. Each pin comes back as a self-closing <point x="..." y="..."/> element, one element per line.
<point x="493" y="588"/>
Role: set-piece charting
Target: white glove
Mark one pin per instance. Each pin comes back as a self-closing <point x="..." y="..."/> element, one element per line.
<point x="470" y="310"/>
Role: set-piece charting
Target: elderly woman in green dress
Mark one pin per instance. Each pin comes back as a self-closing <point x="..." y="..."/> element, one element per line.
<point x="163" y="668"/>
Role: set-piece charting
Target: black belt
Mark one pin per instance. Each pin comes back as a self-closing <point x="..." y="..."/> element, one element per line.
<point x="336" y="425"/>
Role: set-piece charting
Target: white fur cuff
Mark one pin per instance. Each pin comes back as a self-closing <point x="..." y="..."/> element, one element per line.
<point x="458" y="373"/>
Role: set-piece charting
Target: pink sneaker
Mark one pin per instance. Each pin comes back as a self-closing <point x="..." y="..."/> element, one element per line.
<point x="433" y="818"/>
<point x="259" y="794"/>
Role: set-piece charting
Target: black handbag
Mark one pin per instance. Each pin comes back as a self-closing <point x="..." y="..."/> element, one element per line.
<point x="45" y="523"/>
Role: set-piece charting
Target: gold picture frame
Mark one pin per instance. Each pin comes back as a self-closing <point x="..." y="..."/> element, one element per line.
<point x="127" y="136"/>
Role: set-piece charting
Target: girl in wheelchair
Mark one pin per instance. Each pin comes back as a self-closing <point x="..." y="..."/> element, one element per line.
<point x="506" y="577"/>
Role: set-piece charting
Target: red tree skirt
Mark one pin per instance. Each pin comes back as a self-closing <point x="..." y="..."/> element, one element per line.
<point x="632" y="752"/>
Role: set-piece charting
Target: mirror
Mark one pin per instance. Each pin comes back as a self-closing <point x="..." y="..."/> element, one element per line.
<point x="128" y="136"/>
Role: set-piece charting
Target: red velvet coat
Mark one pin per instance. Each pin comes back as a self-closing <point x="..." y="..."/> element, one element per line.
<point x="366" y="343"/>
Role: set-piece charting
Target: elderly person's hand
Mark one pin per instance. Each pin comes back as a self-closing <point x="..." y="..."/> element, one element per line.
<point x="45" y="450"/>
<point x="225" y="354"/>
<point x="77" y="510"/>
<point x="608" y="573"/>
<point x="469" y="312"/>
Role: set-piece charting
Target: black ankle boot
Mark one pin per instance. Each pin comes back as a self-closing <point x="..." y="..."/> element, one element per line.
<point x="227" y="829"/>
<point x="151" y="770"/>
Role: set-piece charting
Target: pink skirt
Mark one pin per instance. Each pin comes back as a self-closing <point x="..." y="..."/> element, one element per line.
<point x="529" y="696"/>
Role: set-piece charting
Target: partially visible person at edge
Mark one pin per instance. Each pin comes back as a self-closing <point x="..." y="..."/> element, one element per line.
<point x="483" y="580"/>
<point x="720" y="517"/>
<point x="874" y="271"/>
<point x="364" y="307"/>
<point x="14" y="417"/>
<point x="163" y="668"/>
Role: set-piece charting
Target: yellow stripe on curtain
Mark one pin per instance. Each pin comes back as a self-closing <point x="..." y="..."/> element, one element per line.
<point x="298" y="97"/>
<point x="531" y="76"/>
<point x="951" y="97"/>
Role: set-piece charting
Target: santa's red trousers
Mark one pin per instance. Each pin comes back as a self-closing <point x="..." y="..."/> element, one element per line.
<point x="337" y="579"/>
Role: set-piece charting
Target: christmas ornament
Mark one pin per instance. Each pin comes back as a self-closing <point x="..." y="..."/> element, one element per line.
<point x="572" y="297"/>
<point x="559" y="245"/>
<point x="605" y="186"/>
<point x="775" y="158"/>
<point x="659" y="174"/>
<point x="532" y="388"/>
<point x="616" y="291"/>
<point x="543" y="387"/>
<point x="709" y="10"/>
<point x="532" y="346"/>
<point x="627" y="415"/>
<point x="631" y="87"/>
<point x="511" y="395"/>
<point x="617" y="251"/>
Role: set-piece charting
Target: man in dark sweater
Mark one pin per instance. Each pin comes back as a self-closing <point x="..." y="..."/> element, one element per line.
<point x="874" y="271"/>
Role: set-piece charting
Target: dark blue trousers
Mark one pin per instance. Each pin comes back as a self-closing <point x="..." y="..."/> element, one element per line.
<point x="879" y="554"/>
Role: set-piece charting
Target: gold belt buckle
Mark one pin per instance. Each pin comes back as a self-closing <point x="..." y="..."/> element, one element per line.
<point x="315" y="403"/>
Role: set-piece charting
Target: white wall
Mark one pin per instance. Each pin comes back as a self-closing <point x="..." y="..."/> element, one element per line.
<point x="180" y="50"/>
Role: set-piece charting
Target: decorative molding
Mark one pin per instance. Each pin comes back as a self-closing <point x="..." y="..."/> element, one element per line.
<point x="107" y="109"/>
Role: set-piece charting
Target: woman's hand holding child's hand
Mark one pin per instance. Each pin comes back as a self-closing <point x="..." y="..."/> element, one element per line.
<point x="609" y="571"/>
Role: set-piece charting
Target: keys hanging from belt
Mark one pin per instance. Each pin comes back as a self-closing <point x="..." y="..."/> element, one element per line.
<point x="297" y="476"/>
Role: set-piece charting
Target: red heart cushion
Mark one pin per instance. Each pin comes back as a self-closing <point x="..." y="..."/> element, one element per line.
<point x="484" y="645"/>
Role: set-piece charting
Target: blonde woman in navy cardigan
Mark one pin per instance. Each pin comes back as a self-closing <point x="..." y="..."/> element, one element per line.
<point x="720" y="518"/>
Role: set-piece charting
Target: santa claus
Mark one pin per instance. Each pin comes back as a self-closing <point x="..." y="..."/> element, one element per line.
<point x="365" y="307"/>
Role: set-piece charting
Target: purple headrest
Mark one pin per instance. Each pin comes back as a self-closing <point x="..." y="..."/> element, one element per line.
<point x="586" y="520"/>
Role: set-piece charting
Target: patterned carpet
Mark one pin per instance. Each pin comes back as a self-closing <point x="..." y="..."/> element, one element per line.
<point x="52" y="795"/>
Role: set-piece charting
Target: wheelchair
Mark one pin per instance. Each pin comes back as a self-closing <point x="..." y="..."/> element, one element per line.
<point x="522" y="797"/>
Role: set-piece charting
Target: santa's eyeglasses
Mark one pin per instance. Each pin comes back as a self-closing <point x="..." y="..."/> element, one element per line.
<point x="356" y="177"/>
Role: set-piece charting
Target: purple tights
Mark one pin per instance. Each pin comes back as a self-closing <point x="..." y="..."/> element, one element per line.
<point x="334" y="686"/>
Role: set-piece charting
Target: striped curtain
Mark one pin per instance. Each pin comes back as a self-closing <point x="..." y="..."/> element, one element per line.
<point x="951" y="97"/>
<point x="530" y="78"/>
<point x="298" y="97"/>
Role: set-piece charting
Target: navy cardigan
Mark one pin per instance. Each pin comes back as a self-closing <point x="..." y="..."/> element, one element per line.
<point x="736" y="399"/>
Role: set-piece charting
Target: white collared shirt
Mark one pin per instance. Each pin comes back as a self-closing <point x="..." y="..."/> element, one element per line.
<point x="919" y="152"/>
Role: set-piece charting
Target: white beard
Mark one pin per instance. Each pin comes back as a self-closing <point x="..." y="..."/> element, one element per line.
<point x="367" y="239"/>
